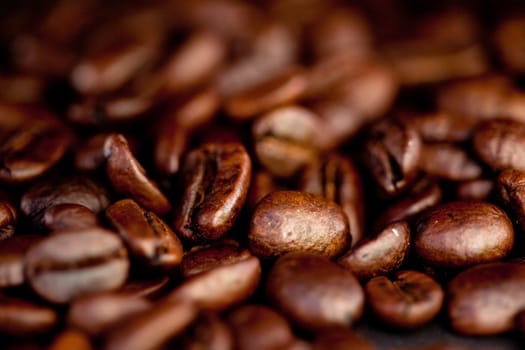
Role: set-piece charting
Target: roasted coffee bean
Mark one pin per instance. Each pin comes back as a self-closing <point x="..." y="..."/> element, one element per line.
<point x="151" y="328"/>
<point x="209" y="332"/>
<point x="96" y="313"/>
<point x="150" y="287"/>
<point x="89" y="156"/>
<point x="8" y="217"/>
<point x="68" y="265"/>
<point x="22" y="88"/>
<point x="22" y="318"/>
<point x="285" y="140"/>
<point x="204" y="258"/>
<point x="463" y="233"/>
<point x="12" y="251"/>
<point x="336" y="178"/>
<point x="146" y="235"/>
<point x="392" y="153"/>
<point x="424" y="194"/>
<point x="313" y="292"/>
<point x="33" y="141"/>
<point x="62" y="217"/>
<point x="409" y="300"/>
<point x="282" y="89"/>
<point x="259" y="327"/>
<point x="262" y="183"/>
<point x="293" y="221"/>
<point x="479" y="189"/>
<point x="71" y="339"/>
<point x="498" y="143"/>
<point x="341" y="339"/>
<point x="448" y="162"/>
<point x="198" y="110"/>
<point x="216" y="178"/>
<point x="78" y="190"/>
<point x="129" y="178"/>
<point x="231" y="284"/>
<point x="509" y="49"/>
<point x="379" y="255"/>
<point x="442" y="126"/>
<point x="485" y="299"/>
<point x="511" y="186"/>
<point x="172" y="141"/>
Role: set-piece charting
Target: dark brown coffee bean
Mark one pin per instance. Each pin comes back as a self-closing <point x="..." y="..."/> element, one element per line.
<point x="172" y="141"/>
<point x="336" y="178"/>
<point x="89" y="156"/>
<point x="511" y="188"/>
<point x="284" y="88"/>
<point x="392" y="153"/>
<point x="409" y="300"/>
<point x="146" y="235"/>
<point x="485" y="299"/>
<point x="479" y="189"/>
<point x="12" y="252"/>
<point x="77" y="190"/>
<point x="72" y="264"/>
<point x="341" y="339"/>
<point x="129" y="178"/>
<point x="209" y="332"/>
<point x="152" y="328"/>
<point x="204" y="258"/>
<point x="198" y="110"/>
<point x="313" y="292"/>
<point x="62" y="217"/>
<point x="221" y="287"/>
<point x="424" y="194"/>
<point x="293" y="221"/>
<point x="448" y="162"/>
<point x="22" y="318"/>
<point x="259" y="327"/>
<point x="150" y="287"/>
<point x="71" y="339"/>
<point x="8" y="218"/>
<point x="463" y="233"/>
<point x="216" y="178"/>
<point x="96" y="313"/>
<point x="381" y="254"/>
<point x="498" y="143"/>
<point x="442" y="126"/>
<point x="194" y="62"/>
<point x="32" y="140"/>
<point x="509" y="49"/>
<point x="498" y="95"/>
<point x="285" y="140"/>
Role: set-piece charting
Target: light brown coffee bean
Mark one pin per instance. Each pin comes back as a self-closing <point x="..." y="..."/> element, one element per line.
<point x="68" y="265"/>
<point x="463" y="233"/>
<point x="288" y="221"/>
<point x="129" y="178"/>
<point x="313" y="292"/>
<point x="147" y="236"/>
<point x="408" y="300"/>
<point x="221" y="287"/>
<point x="380" y="254"/>
<point x="484" y="299"/>
<point x="216" y="178"/>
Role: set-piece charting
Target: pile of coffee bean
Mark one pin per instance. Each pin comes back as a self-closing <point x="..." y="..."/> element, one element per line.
<point x="263" y="175"/>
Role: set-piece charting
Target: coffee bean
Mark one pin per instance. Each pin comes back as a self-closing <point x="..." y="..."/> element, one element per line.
<point x="129" y="178"/>
<point x="510" y="51"/>
<point x="258" y="327"/>
<point x="287" y="221"/>
<point x="392" y="153"/>
<point x="77" y="190"/>
<point x="172" y="141"/>
<point x="8" y="218"/>
<point x="68" y="265"/>
<point x="89" y="156"/>
<point x="22" y="318"/>
<point x="196" y="111"/>
<point x="340" y="339"/>
<point x="498" y="144"/>
<point x="285" y="140"/>
<point x="71" y="339"/>
<point x="12" y="251"/>
<point x="230" y="283"/>
<point x="150" y="287"/>
<point x="313" y="292"/>
<point x="151" y="328"/>
<point x="262" y="183"/>
<point x="448" y="162"/>
<point x="209" y="332"/>
<point x="484" y="299"/>
<point x="409" y="300"/>
<point x="479" y="189"/>
<point x="441" y="126"/>
<point x="460" y="234"/>
<point x="146" y="235"/>
<point x="336" y="178"/>
<point x="511" y="187"/>
<point x="63" y="217"/>
<point x="216" y="179"/>
<point x="380" y="254"/>
<point x="96" y="313"/>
